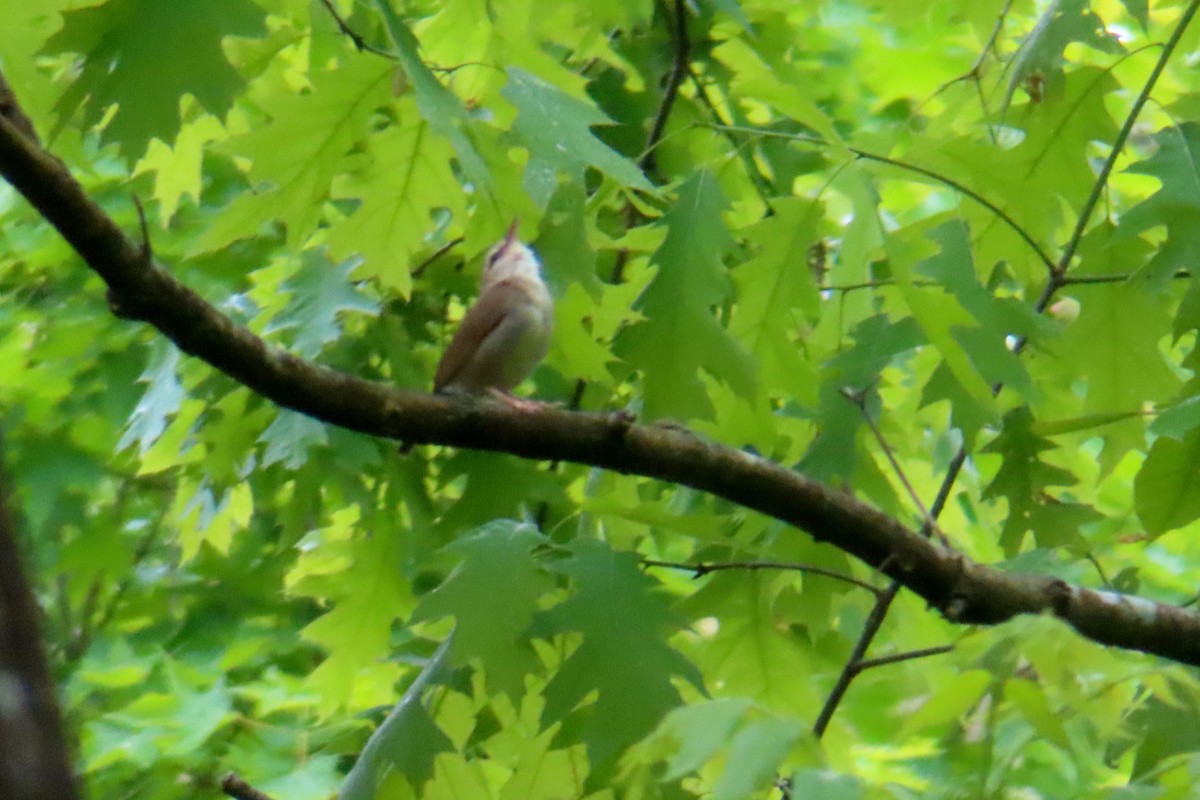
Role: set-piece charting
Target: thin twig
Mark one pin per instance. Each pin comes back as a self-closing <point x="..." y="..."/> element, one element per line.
<point x="679" y="67"/>
<point x="360" y="43"/>
<point x="882" y="661"/>
<point x="1099" y="570"/>
<point x="147" y="250"/>
<point x="701" y="569"/>
<point x="235" y="787"/>
<point x="419" y="270"/>
<point x="1089" y="205"/>
<point x="648" y="161"/>
<point x="867" y="155"/>
<point x="1082" y="280"/>
<point x="859" y="399"/>
<point x="849" y="671"/>
<point x="752" y="169"/>
<point x="1091" y="280"/>
<point x="975" y="73"/>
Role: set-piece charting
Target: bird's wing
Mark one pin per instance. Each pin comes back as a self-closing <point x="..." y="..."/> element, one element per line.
<point x="481" y="319"/>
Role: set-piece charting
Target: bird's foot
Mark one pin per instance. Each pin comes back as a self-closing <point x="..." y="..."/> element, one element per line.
<point x="516" y="402"/>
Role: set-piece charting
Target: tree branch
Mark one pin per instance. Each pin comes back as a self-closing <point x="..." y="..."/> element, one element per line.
<point x="238" y="789"/>
<point x="679" y="68"/>
<point x="34" y="764"/>
<point x="964" y="591"/>
<point x="883" y="661"/>
<point x="1089" y="205"/>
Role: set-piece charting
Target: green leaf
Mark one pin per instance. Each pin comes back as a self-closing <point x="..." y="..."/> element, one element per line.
<point x="826" y="785"/>
<point x="1139" y="10"/>
<point x="320" y="292"/>
<point x="699" y="731"/>
<point x="1023" y="476"/>
<point x="1178" y="419"/>
<point x="361" y="575"/>
<point x="541" y="772"/>
<point x="1063" y="22"/>
<point x="562" y="241"/>
<point x="630" y="665"/>
<point x="1114" y="346"/>
<point x="1035" y="707"/>
<point x="437" y="104"/>
<point x="681" y="335"/>
<point x="407" y="741"/>
<point x="407" y="179"/>
<point x="755" y="755"/>
<point x="747" y="656"/>
<point x="1167" y="488"/>
<point x="162" y="398"/>
<point x="557" y="130"/>
<point x="289" y="437"/>
<point x="143" y="56"/>
<point x="941" y="317"/>
<point x="1177" y="202"/>
<point x="493" y="596"/>
<point x="777" y="294"/>
<point x="985" y="340"/>
<point x="295" y="156"/>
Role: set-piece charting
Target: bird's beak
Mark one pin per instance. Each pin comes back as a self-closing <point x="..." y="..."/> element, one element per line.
<point x="511" y="236"/>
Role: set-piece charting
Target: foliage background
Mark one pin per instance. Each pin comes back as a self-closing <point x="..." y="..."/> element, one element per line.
<point x="231" y="586"/>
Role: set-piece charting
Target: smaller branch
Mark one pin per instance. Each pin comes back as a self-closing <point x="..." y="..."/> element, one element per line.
<point x="752" y="170"/>
<point x="11" y="110"/>
<point x="701" y="569"/>
<point x="882" y="603"/>
<point x="361" y="44"/>
<point x="81" y="637"/>
<point x="1091" y="280"/>
<point x="928" y="523"/>
<point x="237" y="788"/>
<point x="963" y="189"/>
<point x="871" y="663"/>
<point x="80" y="644"/>
<point x="1082" y="280"/>
<point x="1099" y="570"/>
<point x="419" y="269"/>
<point x="679" y="68"/>
<point x="147" y="249"/>
<point x="1089" y="205"/>
<point x="975" y="73"/>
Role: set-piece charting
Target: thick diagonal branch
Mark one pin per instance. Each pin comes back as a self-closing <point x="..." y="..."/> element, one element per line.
<point x="961" y="589"/>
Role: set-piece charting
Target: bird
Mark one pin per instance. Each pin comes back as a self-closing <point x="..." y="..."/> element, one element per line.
<point x="506" y="333"/>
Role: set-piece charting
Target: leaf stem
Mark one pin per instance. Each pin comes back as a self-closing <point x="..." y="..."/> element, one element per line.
<point x="700" y="569"/>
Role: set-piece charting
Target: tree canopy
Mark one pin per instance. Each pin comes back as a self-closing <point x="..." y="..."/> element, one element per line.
<point x="871" y="458"/>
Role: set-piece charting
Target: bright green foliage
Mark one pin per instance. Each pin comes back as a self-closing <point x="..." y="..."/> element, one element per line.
<point x="625" y="656"/>
<point x="145" y="75"/>
<point x="496" y="562"/>
<point x="852" y="212"/>
<point x="556" y="129"/>
<point x="680" y="334"/>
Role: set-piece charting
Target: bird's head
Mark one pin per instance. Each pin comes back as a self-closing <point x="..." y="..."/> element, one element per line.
<point x="509" y="258"/>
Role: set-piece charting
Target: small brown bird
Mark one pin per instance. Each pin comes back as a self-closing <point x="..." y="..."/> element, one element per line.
<point x="506" y="334"/>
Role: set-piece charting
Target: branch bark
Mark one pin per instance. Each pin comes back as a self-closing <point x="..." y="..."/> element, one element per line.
<point x="34" y="764"/>
<point x="962" y="590"/>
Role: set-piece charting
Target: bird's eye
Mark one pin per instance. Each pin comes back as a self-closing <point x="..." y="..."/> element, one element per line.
<point x="492" y="258"/>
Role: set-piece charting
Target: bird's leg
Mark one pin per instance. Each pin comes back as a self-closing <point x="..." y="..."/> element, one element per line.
<point x="516" y="402"/>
